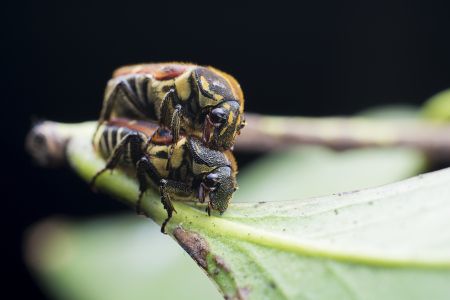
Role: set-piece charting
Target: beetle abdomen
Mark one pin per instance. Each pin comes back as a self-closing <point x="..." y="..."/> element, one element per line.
<point x="135" y="100"/>
<point x="109" y="137"/>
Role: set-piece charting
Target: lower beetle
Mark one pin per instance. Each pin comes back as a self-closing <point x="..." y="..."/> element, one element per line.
<point x="197" y="173"/>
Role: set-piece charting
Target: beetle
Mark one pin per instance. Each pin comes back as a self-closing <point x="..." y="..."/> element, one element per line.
<point x="198" y="173"/>
<point x="196" y="100"/>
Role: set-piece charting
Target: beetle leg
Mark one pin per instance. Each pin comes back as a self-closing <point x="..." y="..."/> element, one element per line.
<point x="144" y="168"/>
<point x="112" y="95"/>
<point x="167" y="106"/>
<point x="166" y="188"/>
<point x="175" y="128"/>
<point x="203" y="192"/>
<point x="132" y="138"/>
<point x="122" y="84"/>
<point x="175" y="123"/>
<point x="171" y="113"/>
<point x="208" y="209"/>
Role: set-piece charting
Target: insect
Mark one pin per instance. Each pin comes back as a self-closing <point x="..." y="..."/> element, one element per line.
<point x="198" y="173"/>
<point x="199" y="101"/>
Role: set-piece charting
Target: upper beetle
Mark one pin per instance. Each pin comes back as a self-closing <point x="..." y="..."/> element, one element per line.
<point x="197" y="100"/>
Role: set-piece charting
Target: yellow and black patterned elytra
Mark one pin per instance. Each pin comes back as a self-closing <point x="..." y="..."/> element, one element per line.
<point x="198" y="101"/>
<point x="196" y="173"/>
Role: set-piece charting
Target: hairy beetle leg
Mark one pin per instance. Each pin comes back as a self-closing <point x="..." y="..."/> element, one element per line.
<point x="130" y="98"/>
<point x="172" y="113"/>
<point x="114" y="159"/>
<point x="175" y="128"/>
<point x="144" y="168"/>
<point x="176" y="123"/>
<point x="208" y="209"/>
<point x="166" y="188"/>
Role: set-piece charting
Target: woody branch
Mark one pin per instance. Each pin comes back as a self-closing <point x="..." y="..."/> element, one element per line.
<point x="266" y="133"/>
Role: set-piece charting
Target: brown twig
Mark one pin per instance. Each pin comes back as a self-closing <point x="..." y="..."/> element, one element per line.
<point x="266" y="133"/>
<point x="46" y="142"/>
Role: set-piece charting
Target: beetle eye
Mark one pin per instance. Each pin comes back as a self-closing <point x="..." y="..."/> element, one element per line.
<point x="211" y="180"/>
<point x="218" y="115"/>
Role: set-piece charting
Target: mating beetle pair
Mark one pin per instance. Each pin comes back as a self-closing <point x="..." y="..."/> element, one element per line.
<point x="196" y="172"/>
<point x="200" y="112"/>
<point x="199" y="101"/>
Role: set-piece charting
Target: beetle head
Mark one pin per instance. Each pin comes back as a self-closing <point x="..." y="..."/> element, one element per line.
<point x="220" y="185"/>
<point x="222" y="124"/>
<point x="220" y="97"/>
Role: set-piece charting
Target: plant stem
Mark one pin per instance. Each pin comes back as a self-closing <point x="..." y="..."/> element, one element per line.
<point x="86" y="163"/>
<point x="266" y="133"/>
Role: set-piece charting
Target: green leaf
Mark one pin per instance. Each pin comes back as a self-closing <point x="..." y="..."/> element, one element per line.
<point x="437" y="108"/>
<point x="383" y="243"/>
<point x="314" y="171"/>
<point x="144" y="261"/>
<point x="113" y="258"/>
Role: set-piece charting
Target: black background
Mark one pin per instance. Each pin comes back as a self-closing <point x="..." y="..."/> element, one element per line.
<point x="315" y="58"/>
